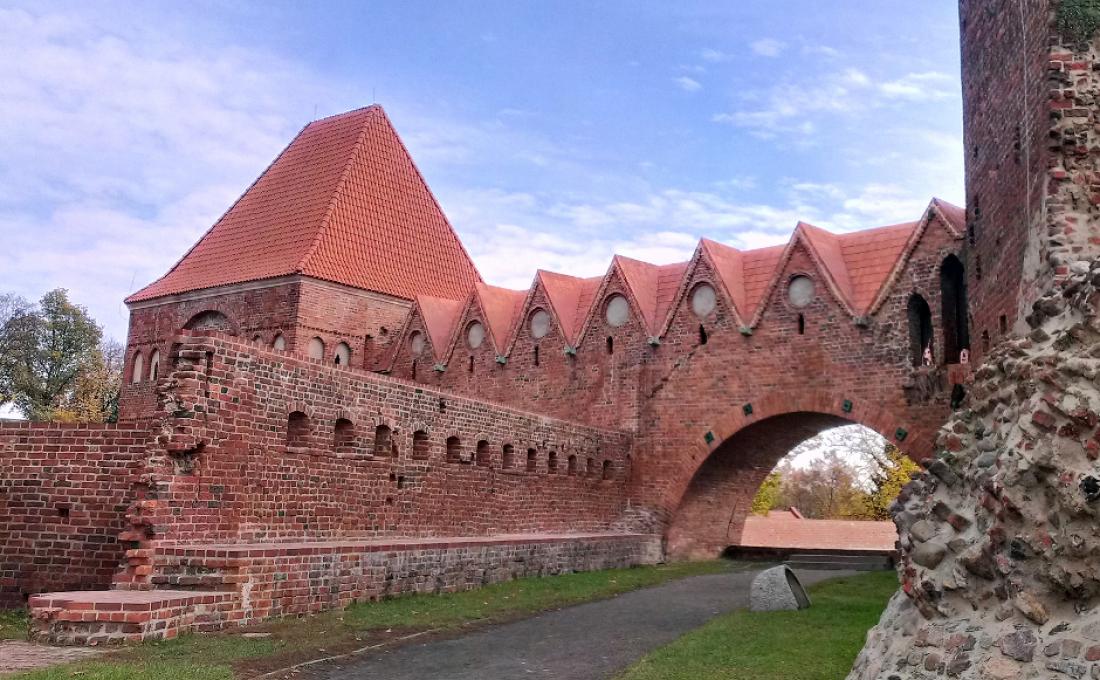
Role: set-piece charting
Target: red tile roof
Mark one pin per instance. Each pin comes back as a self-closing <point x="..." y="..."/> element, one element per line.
<point x="501" y="307"/>
<point x="440" y="316"/>
<point x="570" y="299"/>
<point x="869" y="257"/>
<point x="783" y="530"/>
<point x="344" y="202"/>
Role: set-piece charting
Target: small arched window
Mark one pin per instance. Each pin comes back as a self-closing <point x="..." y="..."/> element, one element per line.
<point x="421" y="445"/>
<point x="454" y="450"/>
<point x="920" y="328"/>
<point x="297" y="430"/>
<point x="154" y="365"/>
<point x="137" y="368"/>
<point x="279" y="343"/>
<point x="342" y="357"/>
<point x="343" y="436"/>
<point x="532" y="460"/>
<point x="552" y="463"/>
<point x="210" y="320"/>
<point x="383" y="443"/>
<point x="572" y="468"/>
<point x="316" y="349"/>
<point x="484" y="456"/>
<point x="509" y="457"/>
<point x="607" y="469"/>
<point x="590" y="467"/>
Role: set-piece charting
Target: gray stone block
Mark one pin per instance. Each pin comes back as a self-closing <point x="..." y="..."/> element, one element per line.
<point x="777" y="589"/>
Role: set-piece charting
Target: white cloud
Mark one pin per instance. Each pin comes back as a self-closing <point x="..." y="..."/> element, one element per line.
<point x="714" y="56"/>
<point x="768" y="47"/>
<point x="920" y="86"/>
<point x="688" y="84"/>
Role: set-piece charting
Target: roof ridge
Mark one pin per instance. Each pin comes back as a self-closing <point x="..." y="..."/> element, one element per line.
<point x="344" y="174"/>
<point x="431" y="194"/>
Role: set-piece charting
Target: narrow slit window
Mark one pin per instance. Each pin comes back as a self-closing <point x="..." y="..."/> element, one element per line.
<point x="703" y="335"/>
<point x="610" y="345"/>
<point x="536" y="355"/>
<point x="802" y="324"/>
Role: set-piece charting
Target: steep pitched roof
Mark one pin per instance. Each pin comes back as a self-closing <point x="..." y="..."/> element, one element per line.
<point x="825" y="249"/>
<point x="501" y="307"/>
<point x="570" y="297"/>
<point x="440" y="316"/>
<point x="653" y="287"/>
<point x="344" y="202"/>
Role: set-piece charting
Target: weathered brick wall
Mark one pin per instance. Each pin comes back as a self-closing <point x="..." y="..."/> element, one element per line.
<point x="64" y="492"/>
<point x="1006" y="119"/>
<point x="228" y="471"/>
<point x="298" y="309"/>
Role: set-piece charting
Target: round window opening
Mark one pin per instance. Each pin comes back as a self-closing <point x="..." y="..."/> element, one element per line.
<point x="800" y="291"/>
<point x="703" y="300"/>
<point x="540" y="323"/>
<point x="618" y="311"/>
<point x="475" y="335"/>
<point x="416" y="343"/>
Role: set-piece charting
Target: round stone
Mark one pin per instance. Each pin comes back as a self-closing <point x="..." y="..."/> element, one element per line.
<point x="540" y="323"/>
<point x="475" y="335"/>
<point x="703" y="299"/>
<point x="416" y="343"/>
<point x="617" y="311"/>
<point x="800" y="291"/>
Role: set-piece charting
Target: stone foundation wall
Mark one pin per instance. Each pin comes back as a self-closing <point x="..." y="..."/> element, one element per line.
<point x="64" y="493"/>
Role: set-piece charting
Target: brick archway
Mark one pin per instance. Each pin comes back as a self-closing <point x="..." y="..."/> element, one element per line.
<point x="713" y="495"/>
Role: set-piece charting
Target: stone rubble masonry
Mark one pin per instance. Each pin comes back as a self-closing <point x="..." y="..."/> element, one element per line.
<point x="64" y="492"/>
<point x="998" y="538"/>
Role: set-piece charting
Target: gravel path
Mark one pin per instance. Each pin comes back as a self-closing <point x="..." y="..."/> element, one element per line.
<point x="585" y="642"/>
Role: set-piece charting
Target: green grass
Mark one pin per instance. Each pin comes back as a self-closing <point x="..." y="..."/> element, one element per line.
<point x="222" y="656"/>
<point x="13" y="624"/>
<point x="819" y="643"/>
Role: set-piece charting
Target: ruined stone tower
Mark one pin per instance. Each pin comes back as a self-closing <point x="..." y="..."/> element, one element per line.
<point x="999" y="541"/>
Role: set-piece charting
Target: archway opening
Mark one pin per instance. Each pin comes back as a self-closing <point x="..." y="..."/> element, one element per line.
<point x="920" y="329"/>
<point x="210" y="320"/>
<point x="793" y="482"/>
<point x="956" y="328"/>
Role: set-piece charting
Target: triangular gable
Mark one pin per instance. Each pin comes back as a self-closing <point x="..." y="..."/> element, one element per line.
<point x="500" y="307"/>
<point x="570" y="298"/>
<point x="826" y="252"/>
<point x="440" y="316"/>
<point x="652" y="286"/>
<point x="344" y="202"/>
<point x="728" y="264"/>
<point x="947" y="215"/>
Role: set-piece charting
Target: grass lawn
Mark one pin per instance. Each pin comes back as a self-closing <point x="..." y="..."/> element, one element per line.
<point x="225" y="655"/>
<point x="13" y="624"/>
<point x="819" y="643"/>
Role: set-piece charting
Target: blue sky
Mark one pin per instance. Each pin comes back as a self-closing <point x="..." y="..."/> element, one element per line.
<point x="553" y="133"/>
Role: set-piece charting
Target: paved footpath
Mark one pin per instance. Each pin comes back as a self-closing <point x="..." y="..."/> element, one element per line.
<point x="586" y="642"/>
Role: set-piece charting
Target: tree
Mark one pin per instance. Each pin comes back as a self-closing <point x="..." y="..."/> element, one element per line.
<point x="767" y="496"/>
<point x="48" y="351"/>
<point x="895" y="469"/>
<point x="95" y="396"/>
<point x="13" y="322"/>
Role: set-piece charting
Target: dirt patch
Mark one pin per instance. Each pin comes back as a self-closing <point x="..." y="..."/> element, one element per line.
<point x="22" y="656"/>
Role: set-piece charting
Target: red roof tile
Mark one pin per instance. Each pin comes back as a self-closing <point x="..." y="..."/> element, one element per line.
<point x="344" y="202"/>
<point x="440" y="316"/>
<point x="869" y="257"/>
<point x="570" y="298"/>
<point x="783" y="530"/>
<point x="501" y="307"/>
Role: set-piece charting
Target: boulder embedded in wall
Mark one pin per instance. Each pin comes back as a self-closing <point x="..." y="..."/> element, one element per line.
<point x="998" y="539"/>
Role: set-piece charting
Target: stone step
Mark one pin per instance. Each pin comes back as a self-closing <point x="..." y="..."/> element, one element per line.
<point x="97" y="617"/>
<point x="858" y="562"/>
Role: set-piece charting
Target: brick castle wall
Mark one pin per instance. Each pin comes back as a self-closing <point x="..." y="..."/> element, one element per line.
<point x="369" y="457"/>
<point x="64" y="493"/>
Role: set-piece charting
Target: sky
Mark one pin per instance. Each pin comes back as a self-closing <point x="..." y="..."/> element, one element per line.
<point x="553" y="133"/>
